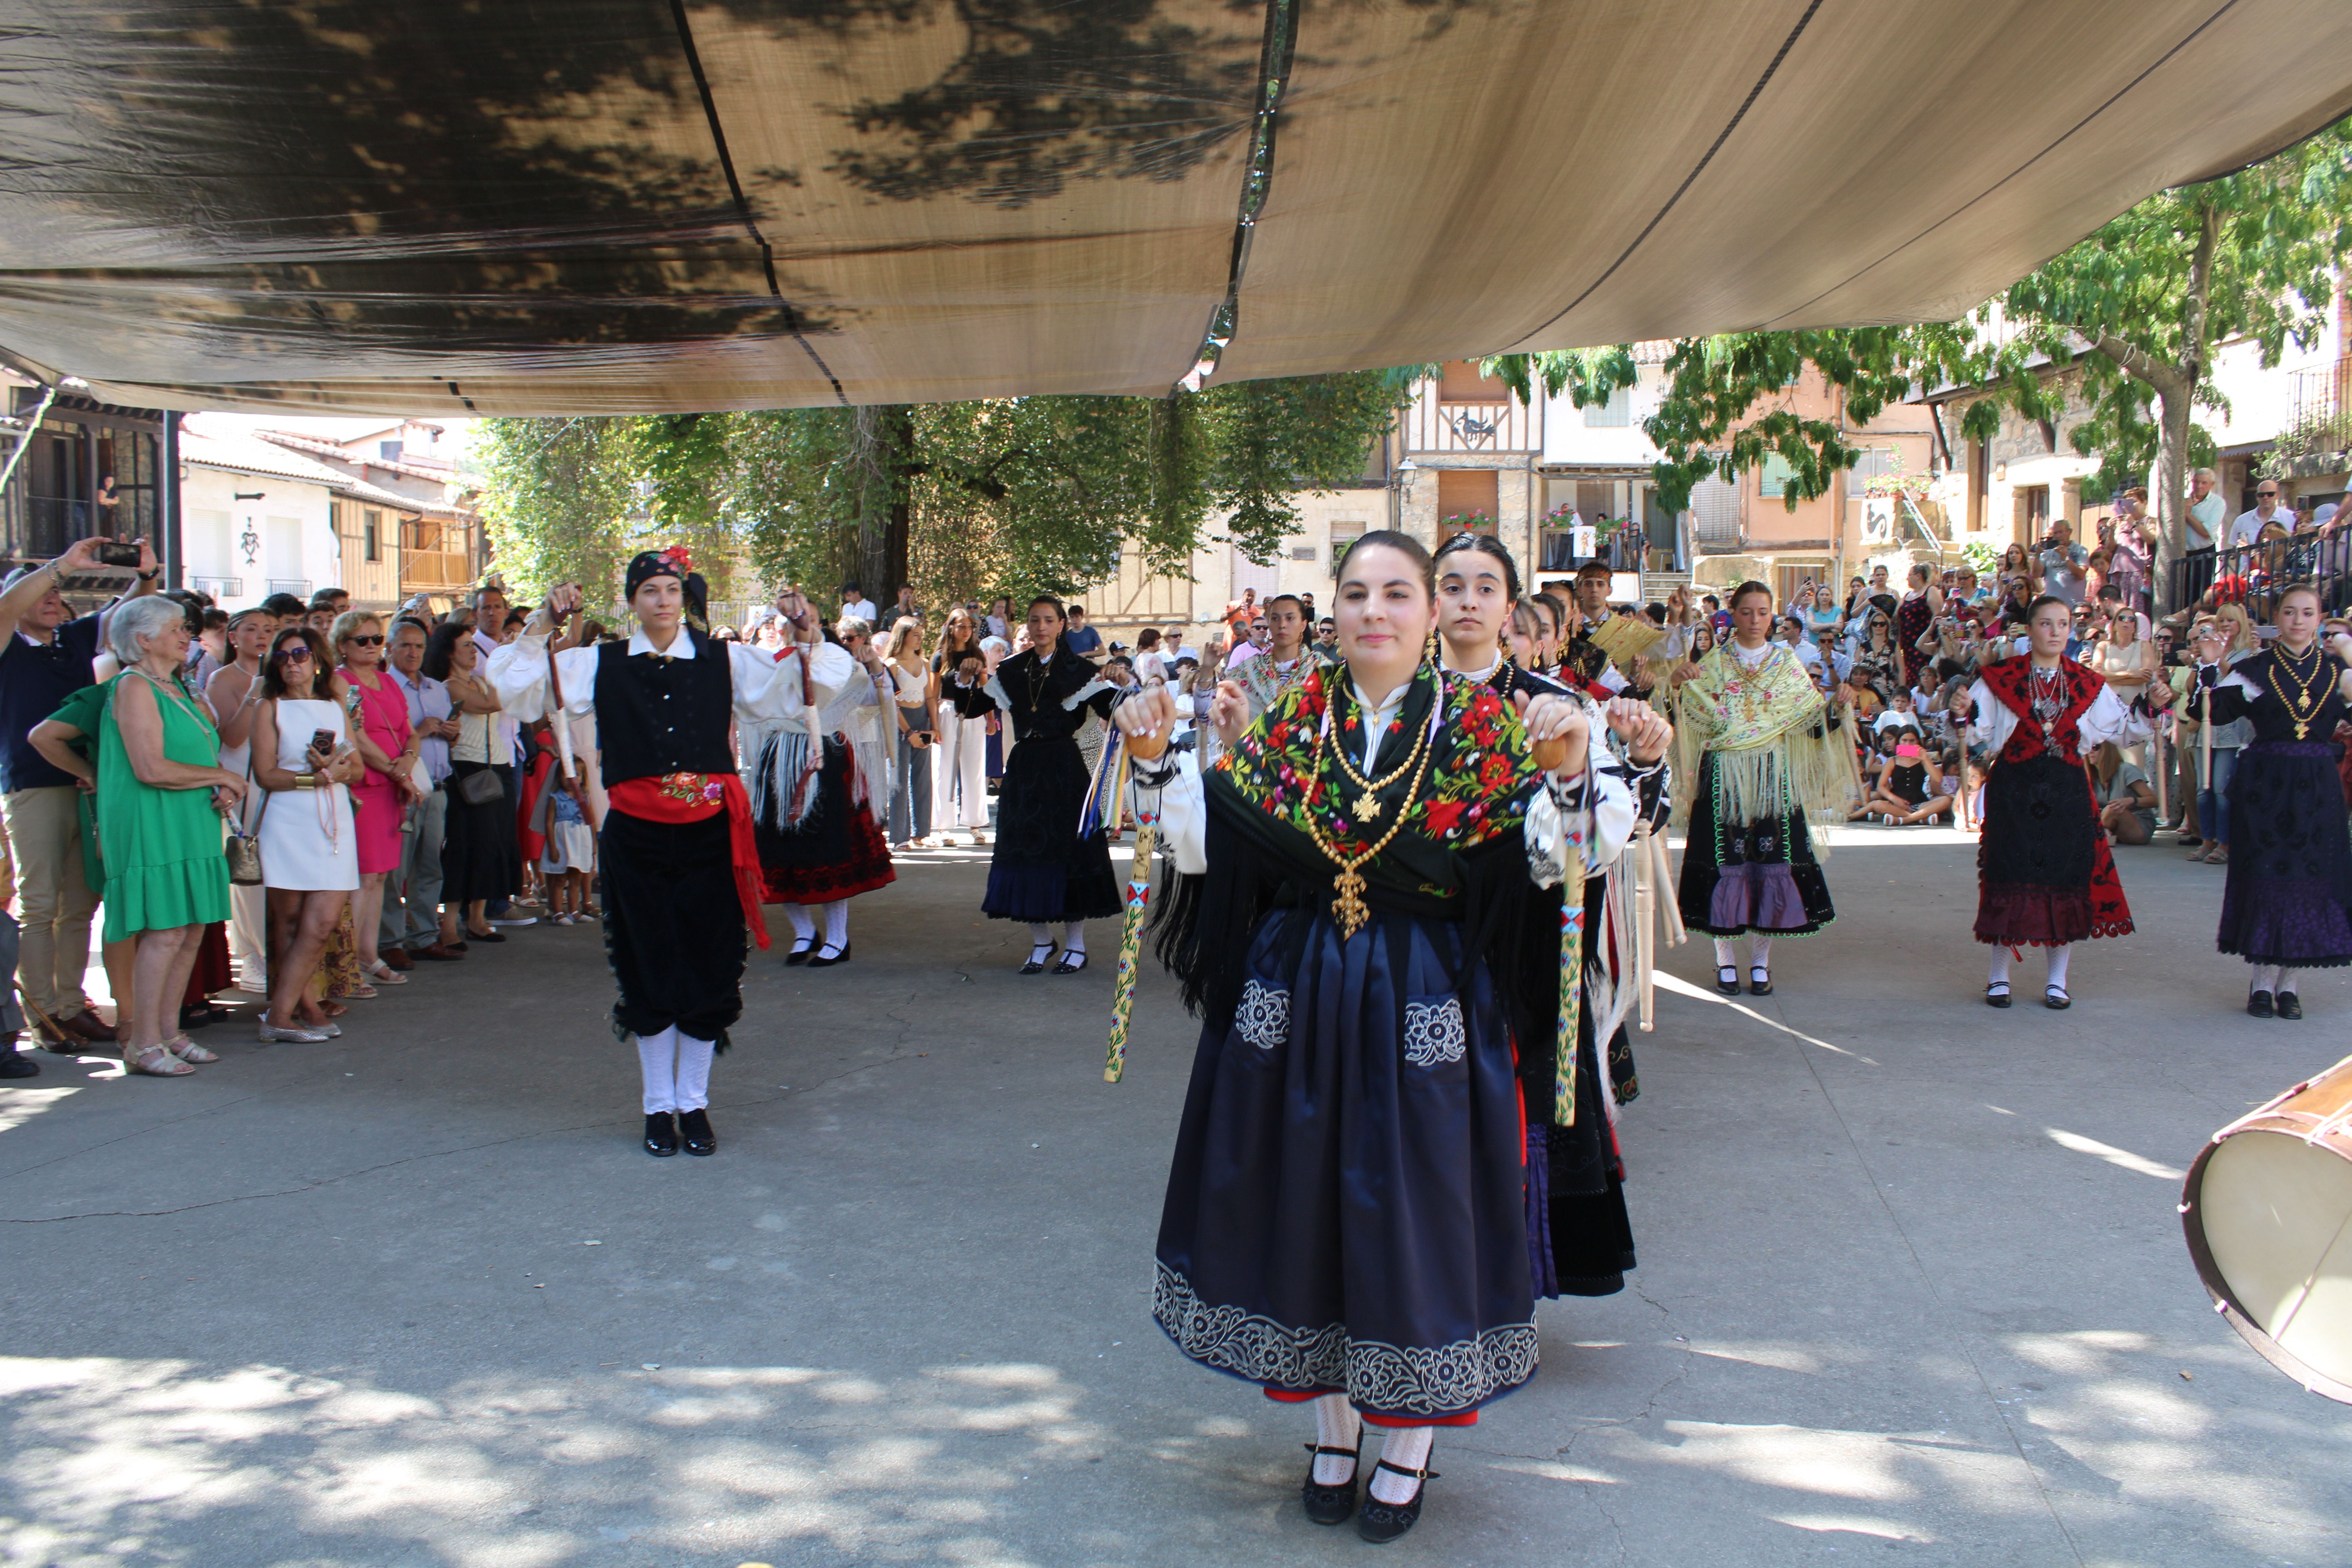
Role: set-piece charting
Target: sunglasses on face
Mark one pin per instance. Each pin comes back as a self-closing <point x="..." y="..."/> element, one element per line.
<point x="373" y="640"/>
<point x="291" y="654"/>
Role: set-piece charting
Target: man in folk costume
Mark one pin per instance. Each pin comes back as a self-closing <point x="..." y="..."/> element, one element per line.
<point x="1758" y="749"/>
<point x="1286" y="661"/>
<point x="681" y="870"/>
<point x="2045" y="877"/>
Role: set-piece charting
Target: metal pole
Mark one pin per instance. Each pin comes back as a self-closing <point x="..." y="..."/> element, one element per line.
<point x="167" y="504"/>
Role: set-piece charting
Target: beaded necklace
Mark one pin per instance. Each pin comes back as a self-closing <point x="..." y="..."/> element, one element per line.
<point x="1348" y="908"/>
<point x="2302" y="707"/>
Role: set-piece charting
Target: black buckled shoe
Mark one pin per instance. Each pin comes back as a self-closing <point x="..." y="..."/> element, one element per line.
<point x="1331" y="1505"/>
<point x="2289" y="1004"/>
<point x="2054" y="997"/>
<point x="1759" y="987"/>
<point x="1381" y="1522"/>
<point x="1997" y="994"/>
<point x="1726" y="979"/>
<point x="800" y="952"/>
<point x="826" y="958"/>
<point x="2258" y="1006"/>
<point x="694" y="1126"/>
<point x="1037" y="957"/>
<point x="661" y="1134"/>
<point x="1071" y="963"/>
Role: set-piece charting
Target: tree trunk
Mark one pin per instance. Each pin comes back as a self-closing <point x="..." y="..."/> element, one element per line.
<point x="876" y="557"/>
<point x="2176" y="395"/>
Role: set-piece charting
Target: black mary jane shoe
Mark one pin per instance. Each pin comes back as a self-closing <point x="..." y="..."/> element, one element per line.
<point x="694" y="1127"/>
<point x="661" y="1134"/>
<point x="2055" y="999"/>
<point x="2259" y="1005"/>
<point x="825" y="961"/>
<point x="1331" y="1505"/>
<point x="2289" y="1004"/>
<point x="1997" y="994"/>
<point x="1759" y="987"/>
<point x="1381" y="1522"/>
<point x="1726" y="979"/>
<point x="800" y="954"/>
<point x="1037" y="957"/>
<point x="1067" y="967"/>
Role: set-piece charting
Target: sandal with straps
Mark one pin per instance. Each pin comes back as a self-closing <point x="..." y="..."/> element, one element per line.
<point x="383" y="974"/>
<point x="1332" y="1504"/>
<point x="188" y="1051"/>
<point x="1381" y="1522"/>
<point x="155" y="1061"/>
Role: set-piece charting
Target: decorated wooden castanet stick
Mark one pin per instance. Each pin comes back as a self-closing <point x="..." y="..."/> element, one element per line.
<point x="1644" y="920"/>
<point x="1550" y="756"/>
<point x="1144" y="749"/>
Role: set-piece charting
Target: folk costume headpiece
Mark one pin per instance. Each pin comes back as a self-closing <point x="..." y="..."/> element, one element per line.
<point x="671" y="561"/>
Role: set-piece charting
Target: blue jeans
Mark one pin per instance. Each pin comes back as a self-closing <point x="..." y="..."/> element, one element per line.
<point x="910" y="792"/>
<point x="2212" y="796"/>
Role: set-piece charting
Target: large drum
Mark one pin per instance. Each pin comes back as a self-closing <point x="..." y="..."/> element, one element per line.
<point x="2268" y="1211"/>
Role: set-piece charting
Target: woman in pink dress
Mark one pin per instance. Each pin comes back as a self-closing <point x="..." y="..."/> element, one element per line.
<point x="381" y="736"/>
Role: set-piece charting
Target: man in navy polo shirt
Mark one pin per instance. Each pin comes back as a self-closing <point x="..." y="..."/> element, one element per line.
<point x="45" y="658"/>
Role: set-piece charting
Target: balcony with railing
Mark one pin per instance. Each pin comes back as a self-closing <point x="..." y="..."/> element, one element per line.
<point x="1438" y="423"/>
<point x="2319" y="413"/>
<point x="219" y="587"/>
<point x="435" y="557"/>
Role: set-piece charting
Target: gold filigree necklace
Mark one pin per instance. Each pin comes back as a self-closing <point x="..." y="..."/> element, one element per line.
<point x="1348" y="908"/>
<point x="2302" y="706"/>
<point x="1368" y="806"/>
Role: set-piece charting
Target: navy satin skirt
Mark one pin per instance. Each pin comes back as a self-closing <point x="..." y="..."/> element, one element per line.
<point x="1346" y="1211"/>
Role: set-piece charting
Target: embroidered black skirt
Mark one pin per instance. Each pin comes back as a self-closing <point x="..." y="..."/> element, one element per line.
<point x="2290" y="858"/>
<point x="1040" y="870"/>
<point x="1345" y="1211"/>
<point x="1754" y="876"/>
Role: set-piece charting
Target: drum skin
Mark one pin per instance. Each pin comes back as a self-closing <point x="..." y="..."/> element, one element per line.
<point x="2267" y="1210"/>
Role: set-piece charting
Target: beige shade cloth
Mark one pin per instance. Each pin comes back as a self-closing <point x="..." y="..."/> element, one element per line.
<point x="445" y="208"/>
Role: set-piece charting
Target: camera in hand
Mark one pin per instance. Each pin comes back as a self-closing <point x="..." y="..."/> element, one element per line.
<point x="115" y="554"/>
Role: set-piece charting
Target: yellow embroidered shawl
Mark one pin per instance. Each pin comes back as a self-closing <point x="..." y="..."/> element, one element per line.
<point x="1758" y="724"/>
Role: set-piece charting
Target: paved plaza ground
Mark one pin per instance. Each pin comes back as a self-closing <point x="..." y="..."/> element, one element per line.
<point x="1912" y="1286"/>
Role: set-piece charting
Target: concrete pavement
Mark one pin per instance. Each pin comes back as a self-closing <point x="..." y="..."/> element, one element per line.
<point x="1912" y="1284"/>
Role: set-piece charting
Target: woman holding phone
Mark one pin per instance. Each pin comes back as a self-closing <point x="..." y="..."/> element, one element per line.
<point x="309" y="852"/>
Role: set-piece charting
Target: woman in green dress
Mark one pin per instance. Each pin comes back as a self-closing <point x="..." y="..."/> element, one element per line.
<point x="161" y="795"/>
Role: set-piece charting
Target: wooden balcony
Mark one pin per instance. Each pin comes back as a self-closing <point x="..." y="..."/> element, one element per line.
<point x="1436" y="424"/>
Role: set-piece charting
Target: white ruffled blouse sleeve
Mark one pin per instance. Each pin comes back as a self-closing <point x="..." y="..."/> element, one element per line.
<point x="1600" y="803"/>
<point x="518" y="672"/>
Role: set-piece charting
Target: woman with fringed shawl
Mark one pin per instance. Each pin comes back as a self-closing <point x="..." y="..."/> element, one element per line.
<point x="1757" y="748"/>
<point x="1345" y="1218"/>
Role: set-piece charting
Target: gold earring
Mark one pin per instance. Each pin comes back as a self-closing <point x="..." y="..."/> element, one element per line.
<point x="1429" y="652"/>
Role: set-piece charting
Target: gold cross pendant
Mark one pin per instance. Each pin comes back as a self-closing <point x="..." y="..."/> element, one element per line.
<point x="1367" y="809"/>
<point x="1350" y="908"/>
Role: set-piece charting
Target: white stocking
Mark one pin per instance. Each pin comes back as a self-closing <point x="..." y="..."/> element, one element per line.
<point x="836" y="923"/>
<point x="1406" y="1447"/>
<point x="2285" y="982"/>
<point x="1999" y="975"/>
<point x="803" y="927"/>
<point x="1074" y="936"/>
<point x="1041" y="934"/>
<point x="1726" y="955"/>
<point x="2058" y="957"/>
<point x="2265" y="977"/>
<point x="1337" y="1426"/>
<point x="694" y="1071"/>
<point x="1760" y="953"/>
<point x="658" y="1060"/>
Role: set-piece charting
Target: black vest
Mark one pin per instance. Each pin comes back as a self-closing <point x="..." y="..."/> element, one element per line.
<point x="656" y="716"/>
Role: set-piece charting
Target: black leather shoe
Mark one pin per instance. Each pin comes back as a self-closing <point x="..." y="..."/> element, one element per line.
<point x="1727" y="980"/>
<point x="1381" y="1522"/>
<point x="14" y="1063"/>
<point x="1037" y="957"/>
<point x="800" y="954"/>
<point x="2289" y="1004"/>
<point x="2258" y="1006"/>
<point x="694" y="1126"/>
<point x="1071" y="963"/>
<point x="1997" y="995"/>
<point x="824" y="960"/>
<point x="1331" y="1505"/>
<point x="1759" y="987"/>
<point x="661" y="1134"/>
<point x="2056" y="1000"/>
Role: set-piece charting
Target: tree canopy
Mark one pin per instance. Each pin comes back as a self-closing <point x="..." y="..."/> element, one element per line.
<point x="962" y="499"/>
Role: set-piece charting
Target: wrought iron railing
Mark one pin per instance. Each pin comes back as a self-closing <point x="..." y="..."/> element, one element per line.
<point x="297" y="586"/>
<point x="2255" y="574"/>
<point x="2319" y="418"/>
<point x="219" y="587"/>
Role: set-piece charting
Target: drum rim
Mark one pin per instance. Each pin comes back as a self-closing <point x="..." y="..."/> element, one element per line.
<point x="2208" y="1274"/>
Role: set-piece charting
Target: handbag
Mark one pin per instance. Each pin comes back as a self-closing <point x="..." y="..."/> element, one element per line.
<point x="244" y="848"/>
<point x="480" y="788"/>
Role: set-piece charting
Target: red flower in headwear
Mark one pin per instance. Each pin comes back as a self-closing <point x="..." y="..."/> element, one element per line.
<point x="675" y="557"/>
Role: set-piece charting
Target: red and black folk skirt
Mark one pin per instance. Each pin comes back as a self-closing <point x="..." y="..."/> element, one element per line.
<point x="2045" y="875"/>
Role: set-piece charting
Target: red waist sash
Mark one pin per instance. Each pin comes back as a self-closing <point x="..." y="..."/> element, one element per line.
<point x="697" y="797"/>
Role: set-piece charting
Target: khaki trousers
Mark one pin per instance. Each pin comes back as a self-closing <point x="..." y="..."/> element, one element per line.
<point x="53" y="900"/>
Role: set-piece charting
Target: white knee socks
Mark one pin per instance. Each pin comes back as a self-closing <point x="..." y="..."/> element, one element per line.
<point x="2275" y="978"/>
<point x="1337" y="1426"/>
<point x="677" y="1070"/>
<point x="803" y="927"/>
<point x="1040" y="935"/>
<point x="836" y="924"/>
<point x="2058" y="957"/>
<point x="1999" y="975"/>
<point x="1759" y="952"/>
<point x="2285" y="982"/>
<point x="1074" y="936"/>
<point x="1406" y="1447"/>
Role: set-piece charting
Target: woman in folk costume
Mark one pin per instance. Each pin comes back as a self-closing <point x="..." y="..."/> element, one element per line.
<point x="1757" y="748"/>
<point x="820" y="793"/>
<point x="1579" y="1241"/>
<point x="1286" y="661"/>
<point x="2290" y="878"/>
<point x="1042" y="872"/>
<point x="680" y="868"/>
<point x="1345" y="1221"/>
<point x="2045" y="877"/>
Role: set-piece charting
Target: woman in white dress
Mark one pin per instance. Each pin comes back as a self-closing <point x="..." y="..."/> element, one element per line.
<point x="310" y="858"/>
<point x="959" y="775"/>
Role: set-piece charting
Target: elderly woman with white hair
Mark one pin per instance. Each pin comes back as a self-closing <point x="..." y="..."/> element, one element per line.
<point x="162" y="793"/>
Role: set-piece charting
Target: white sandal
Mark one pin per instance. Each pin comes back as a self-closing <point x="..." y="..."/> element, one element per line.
<point x="188" y="1051"/>
<point x="383" y="974"/>
<point x="155" y="1061"/>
